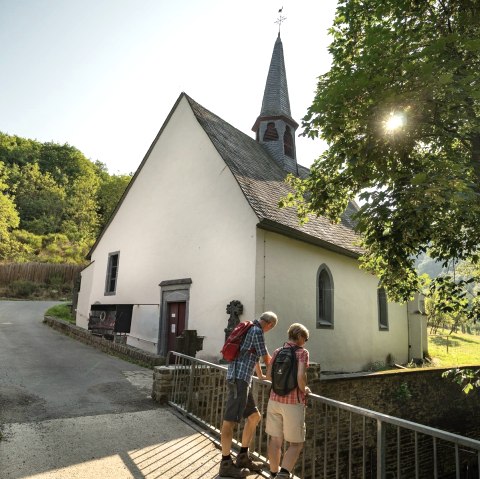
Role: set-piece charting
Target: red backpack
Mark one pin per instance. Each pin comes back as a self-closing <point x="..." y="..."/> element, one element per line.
<point x="231" y="348"/>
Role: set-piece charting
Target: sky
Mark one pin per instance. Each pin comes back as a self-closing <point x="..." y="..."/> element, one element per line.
<point x="103" y="75"/>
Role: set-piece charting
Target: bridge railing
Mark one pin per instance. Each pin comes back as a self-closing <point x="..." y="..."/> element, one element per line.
<point x="343" y="441"/>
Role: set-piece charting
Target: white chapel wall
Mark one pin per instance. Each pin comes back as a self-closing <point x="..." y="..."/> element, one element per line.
<point x="287" y="279"/>
<point x="144" y="328"/>
<point x="84" y="301"/>
<point x="184" y="217"/>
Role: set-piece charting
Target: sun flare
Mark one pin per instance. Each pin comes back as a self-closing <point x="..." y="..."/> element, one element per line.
<point x="394" y="122"/>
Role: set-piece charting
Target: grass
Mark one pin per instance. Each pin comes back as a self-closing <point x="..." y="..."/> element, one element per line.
<point x="61" y="311"/>
<point x="463" y="349"/>
<point x="29" y="291"/>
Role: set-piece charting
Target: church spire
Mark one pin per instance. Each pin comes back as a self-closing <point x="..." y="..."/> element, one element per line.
<point x="275" y="127"/>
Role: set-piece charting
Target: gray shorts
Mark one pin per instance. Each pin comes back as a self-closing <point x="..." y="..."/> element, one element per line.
<point x="240" y="402"/>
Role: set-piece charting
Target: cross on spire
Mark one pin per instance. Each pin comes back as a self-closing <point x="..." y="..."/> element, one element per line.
<point x="280" y="19"/>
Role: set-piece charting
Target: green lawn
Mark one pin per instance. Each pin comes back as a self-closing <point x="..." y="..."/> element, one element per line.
<point x="463" y="349"/>
<point x="61" y="311"/>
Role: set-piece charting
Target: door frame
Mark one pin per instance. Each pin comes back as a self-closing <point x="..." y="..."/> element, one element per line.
<point x="171" y="291"/>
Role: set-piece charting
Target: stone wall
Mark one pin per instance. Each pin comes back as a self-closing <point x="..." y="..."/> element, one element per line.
<point x="121" y="350"/>
<point x="419" y="395"/>
<point x="162" y="384"/>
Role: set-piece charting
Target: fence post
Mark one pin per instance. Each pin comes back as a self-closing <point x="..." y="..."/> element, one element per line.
<point x="190" y="386"/>
<point x="381" y="436"/>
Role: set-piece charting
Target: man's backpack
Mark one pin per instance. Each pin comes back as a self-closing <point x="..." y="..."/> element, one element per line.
<point x="284" y="370"/>
<point x="231" y="348"/>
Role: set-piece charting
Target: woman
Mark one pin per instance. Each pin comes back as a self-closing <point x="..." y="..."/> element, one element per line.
<point x="286" y="414"/>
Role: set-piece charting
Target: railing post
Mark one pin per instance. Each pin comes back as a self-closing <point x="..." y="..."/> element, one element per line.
<point x="190" y="386"/>
<point x="381" y="436"/>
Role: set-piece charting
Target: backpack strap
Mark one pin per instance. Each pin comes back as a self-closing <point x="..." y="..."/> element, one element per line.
<point x="242" y="354"/>
<point x="295" y="349"/>
<point x="251" y="350"/>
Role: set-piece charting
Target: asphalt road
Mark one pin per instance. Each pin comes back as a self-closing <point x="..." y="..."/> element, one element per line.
<point x="69" y="411"/>
<point x="46" y="375"/>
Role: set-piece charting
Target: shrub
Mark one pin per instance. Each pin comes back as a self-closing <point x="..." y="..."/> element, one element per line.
<point x="22" y="288"/>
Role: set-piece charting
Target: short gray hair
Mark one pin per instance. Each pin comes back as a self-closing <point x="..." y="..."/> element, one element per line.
<point x="269" y="317"/>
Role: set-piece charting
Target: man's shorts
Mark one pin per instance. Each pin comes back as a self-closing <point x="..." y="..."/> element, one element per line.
<point x="286" y="420"/>
<point x="240" y="402"/>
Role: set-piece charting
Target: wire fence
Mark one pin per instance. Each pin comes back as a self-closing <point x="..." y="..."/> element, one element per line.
<point x="39" y="272"/>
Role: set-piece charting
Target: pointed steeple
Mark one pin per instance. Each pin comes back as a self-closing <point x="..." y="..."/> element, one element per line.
<point x="275" y="127"/>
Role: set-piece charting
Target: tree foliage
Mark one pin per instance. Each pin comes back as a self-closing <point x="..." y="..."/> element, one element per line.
<point x="111" y="190"/>
<point x="468" y="379"/>
<point x="53" y="200"/>
<point x="39" y="199"/>
<point x="416" y="63"/>
<point x="9" y="218"/>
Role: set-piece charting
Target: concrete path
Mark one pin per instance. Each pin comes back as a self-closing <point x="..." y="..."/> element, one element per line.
<point x="47" y="375"/>
<point x="141" y="445"/>
<point x="68" y="411"/>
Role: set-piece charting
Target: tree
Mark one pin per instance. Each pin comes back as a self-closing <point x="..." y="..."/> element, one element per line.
<point x="64" y="162"/>
<point x="40" y="200"/>
<point x="18" y="150"/>
<point x="109" y="193"/>
<point x="9" y="218"/>
<point x="400" y="111"/>
<point x="81" y="219"/>
<point x="471" y="271"/>
<point x="61" y="198"/>
<point x="447" y="303"/>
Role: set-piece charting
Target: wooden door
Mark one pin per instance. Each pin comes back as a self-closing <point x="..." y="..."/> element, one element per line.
<point x="175" y="322"/>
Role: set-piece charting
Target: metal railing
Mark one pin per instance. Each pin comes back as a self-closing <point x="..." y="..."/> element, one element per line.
<point x="343" y="441"/>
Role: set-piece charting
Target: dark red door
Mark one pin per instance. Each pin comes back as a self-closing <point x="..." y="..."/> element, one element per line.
<point x="175" y="322"/>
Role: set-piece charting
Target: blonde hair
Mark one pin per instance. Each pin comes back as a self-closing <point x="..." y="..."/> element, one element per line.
<point x="297" y="330"/>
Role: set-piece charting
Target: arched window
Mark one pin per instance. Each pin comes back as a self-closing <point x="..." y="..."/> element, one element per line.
<point x="324" y="297"/>
<point x="271" y="133"/>
<point x="382" y="309"/>
<point x="288" y="142"/>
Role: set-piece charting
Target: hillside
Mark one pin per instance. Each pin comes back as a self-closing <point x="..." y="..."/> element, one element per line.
<point x="53" y="201"/>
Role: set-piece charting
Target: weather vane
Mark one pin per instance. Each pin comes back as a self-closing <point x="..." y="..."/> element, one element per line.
<point x="280" y="19"/>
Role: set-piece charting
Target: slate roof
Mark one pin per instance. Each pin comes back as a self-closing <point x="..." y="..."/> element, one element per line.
<point x="275" y="98"/>
<point x="262" y="182"/>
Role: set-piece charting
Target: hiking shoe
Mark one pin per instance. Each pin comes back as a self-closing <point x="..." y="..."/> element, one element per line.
<point x="282" y="475"/>
<point x="244" y="460"/>
<point x="229" y="469"/>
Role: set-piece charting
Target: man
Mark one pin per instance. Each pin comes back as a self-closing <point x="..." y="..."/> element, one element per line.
<point x="240" y="402"/>
<point x="286" y="414"/>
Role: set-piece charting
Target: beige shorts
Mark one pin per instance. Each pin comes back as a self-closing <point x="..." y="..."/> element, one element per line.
<point x="286" y="420"/>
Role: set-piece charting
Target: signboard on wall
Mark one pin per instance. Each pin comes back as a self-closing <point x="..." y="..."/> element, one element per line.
<point x="107" y="319"/>
<point x="103" y="319"/>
